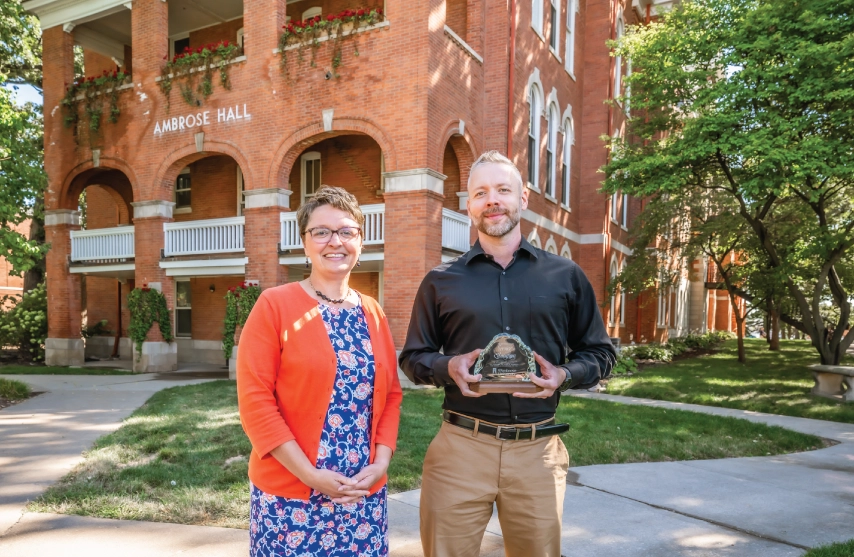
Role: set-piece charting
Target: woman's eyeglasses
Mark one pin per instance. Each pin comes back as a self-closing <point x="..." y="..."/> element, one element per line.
<point x="322" y="235"/>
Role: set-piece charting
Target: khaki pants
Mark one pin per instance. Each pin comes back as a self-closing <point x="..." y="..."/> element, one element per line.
<point x="464" y="475"/>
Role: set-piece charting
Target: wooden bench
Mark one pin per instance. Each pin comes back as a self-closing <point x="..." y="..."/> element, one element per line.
<point x="831" y="381"/>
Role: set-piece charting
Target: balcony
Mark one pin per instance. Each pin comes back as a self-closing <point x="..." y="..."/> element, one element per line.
<point x="103" y="252"/>
<point x="203" y="247"/>
<point x="374" y="228"/>
<point x="455" y="231"/>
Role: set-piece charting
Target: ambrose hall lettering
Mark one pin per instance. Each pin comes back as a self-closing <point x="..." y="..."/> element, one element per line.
<point x="190" y="121"/>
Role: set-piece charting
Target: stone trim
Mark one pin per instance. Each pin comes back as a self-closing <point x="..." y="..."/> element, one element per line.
<point x="267" y="197"/>
<point x="464" y="45"/>
<point x="64" y="351"/>
<point x="59" y="217"/>
<point x="156" y="357"/>
<point x="153" y="209"/>
<point x="543" y="222"/>
<point x="417" y="179"/>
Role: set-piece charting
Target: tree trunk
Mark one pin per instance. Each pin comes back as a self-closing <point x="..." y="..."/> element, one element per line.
<point x="774" y="332"/>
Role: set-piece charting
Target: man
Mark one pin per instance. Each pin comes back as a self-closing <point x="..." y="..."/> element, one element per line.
<point x="502" y="284"/>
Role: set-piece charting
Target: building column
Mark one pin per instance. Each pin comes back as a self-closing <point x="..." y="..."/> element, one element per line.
<point x="413" y="240"/>
<point x="64" y="344"/>
<point x="262" y="234"/>
<point x="149" y="39"/>
<point x="148" y="219"/>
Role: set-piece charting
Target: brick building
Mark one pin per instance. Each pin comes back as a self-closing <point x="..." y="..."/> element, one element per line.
<point x="194" y="199"/>
<point x="11" y="285"/>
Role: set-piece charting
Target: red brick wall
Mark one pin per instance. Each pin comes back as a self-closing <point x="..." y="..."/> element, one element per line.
<point x="456" y="15"/>
<point x="215" y="33"/>
<point x="208" y="308"/>
<point x="95" y="63"/>
<point x="451" y="169"/>
<point x="213" y="183"/>
<point x="366" y="283"/>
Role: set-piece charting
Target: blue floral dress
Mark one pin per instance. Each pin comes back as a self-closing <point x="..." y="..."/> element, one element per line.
<point x="317" y="527"/>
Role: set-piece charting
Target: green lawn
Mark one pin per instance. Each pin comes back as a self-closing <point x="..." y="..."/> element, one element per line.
<point x="844" y="549"/>
<point x="191" y="435"/>
<point x="59" y="370"/>
<point x="13" y="390"/>
<point x="772" y="382"/>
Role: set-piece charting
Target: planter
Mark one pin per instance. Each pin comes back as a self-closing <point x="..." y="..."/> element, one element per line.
<point x="833" y="381"/>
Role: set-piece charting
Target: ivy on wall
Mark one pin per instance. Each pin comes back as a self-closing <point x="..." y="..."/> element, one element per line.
<point x="193" y="70"/>
<point x="239" y="301"/>
<point x="147" y="306"/>
<point x="95" y="95"/>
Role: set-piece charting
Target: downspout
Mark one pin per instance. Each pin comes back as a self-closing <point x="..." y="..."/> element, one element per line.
<point x="510" y="79"/>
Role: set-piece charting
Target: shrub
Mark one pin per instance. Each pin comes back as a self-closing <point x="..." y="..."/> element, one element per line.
<point x="24" y="326"/>
<point x="651" y="351"/>
<point x="674" y="347"/>
<point x="624" y="365"/>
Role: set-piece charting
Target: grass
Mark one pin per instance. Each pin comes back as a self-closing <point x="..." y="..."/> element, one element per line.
<point x="772" y="382"/>
<point x="191" y="436"/>
<point x="58" y="370"/>
<point x="13" y="390"/>
<point x="844" y="549"/>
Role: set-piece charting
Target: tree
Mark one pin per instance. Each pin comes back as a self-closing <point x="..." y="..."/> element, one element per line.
<point x="755" y="101"/>
<point x="22" y="177"/>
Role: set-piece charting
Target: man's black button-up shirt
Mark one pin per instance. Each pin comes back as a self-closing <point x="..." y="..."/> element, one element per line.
<point x="544" y="299"/>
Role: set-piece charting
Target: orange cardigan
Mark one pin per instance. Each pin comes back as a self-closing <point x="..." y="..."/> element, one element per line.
<point x="286" y="369"/>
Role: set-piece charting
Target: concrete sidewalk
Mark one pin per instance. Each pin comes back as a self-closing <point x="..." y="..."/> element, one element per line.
<point x="768" y="506"/>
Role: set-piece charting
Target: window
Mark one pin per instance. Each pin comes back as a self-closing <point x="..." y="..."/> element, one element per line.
<point x="183" y="309"/>
<point x="183" y="190"/>
<point x="624" y="211"/>
<point x="618" y="63"/>
<point x="179" y="43"/>
<point x="663" y="299"/>
<point x="533" y="138"/>
<point x="312" y="12"/>
<point x="612" y="311"/>
<point x="569" y="59"/>
<point x="553" y="36"/>
<point x="241" y="201"/>
<point x="310" y="174"/>
<point x="551" y="158"/>
<point x="568" y="140"/>
<point x="537" y="16"/>
<point x="622" y="299"/>
<point x="615" y="198"/>
<point x="628" y="91"/>
<point x="240" y="37"/>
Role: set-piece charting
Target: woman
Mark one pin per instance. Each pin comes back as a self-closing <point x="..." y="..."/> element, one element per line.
<point x="319" y="399"/>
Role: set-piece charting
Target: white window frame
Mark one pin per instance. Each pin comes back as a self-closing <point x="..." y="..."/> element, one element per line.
<point x="240" y="37"/>
<point x="534" y="137"/>
<point x="622" y="299"/>
<point x="554" y="30"/>
<point x="177" y="308"/>
<point x="618" y="62"/>
<point x="612" y="310"/>
<point x="614" y="199"/>
<point x="624" y="210"/>
<point x="663" y="303"/>
<point x="182" y="210"/>
<point x="566" y="174"/>
<point x="537" y="17"/>
<point x="569" y="59"/>
<point x="312" y="12"/>
<point x="308" y="156"/>
<point x="173" y="38"/>
<point x="241" y="202"/>
<point x="551" y="154"/>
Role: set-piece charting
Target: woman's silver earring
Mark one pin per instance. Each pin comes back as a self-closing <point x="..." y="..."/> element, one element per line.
<point x="307" y="263"/>
<point x="358" y="263"/>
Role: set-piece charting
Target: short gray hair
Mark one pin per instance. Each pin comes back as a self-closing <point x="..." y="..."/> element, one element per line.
<point x="494" y="157"/>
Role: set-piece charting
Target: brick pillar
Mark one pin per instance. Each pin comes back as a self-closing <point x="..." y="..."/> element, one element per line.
<point x="413" y="240"/>
<point x="64" y="345"/>
<point x="149" y="39"/>
<point x="148" y="218"/>
<point x="261" y="238"/>
<point x="262" y="25"/>
<point x="58" y="66"/>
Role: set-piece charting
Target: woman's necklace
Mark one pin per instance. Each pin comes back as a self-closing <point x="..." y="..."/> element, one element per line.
<point x="325" y="298"/>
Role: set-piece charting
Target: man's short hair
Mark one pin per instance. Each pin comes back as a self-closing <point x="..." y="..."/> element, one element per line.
<point x="337" y="197"/>
<point x="494" y="157"/>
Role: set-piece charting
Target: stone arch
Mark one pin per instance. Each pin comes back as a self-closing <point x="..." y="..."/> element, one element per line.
<point x="551" y="245"/>
<point x="112" y="172"/>
<point x="462" y="149"/>
<point x="168" y="171"/>
<point x="565" y="251"/>
<point x="290" y="148"/>
<point x="534" y="239"/>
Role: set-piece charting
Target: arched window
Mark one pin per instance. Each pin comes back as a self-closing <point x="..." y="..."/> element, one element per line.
<point x="551" y="245"/>
<point x="537" y="16"/>
<point x="534" y="239"/>
<point x="618" y="62"/>
<point x="551" y="152"/>
<point x="312" y="12"/>
<point x="622" y="298"/>
<point x="569" y="61"/>
<point x="565" y="252"/>
<point x="566" y="167"/>
<point x="612" y="311"/>
<point x="534" y="138"/>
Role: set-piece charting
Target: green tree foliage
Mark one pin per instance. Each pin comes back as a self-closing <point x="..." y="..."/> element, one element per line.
<point x="22" y="178"/>
<point x="24" y="325"/>
<point x="756" y="104"/>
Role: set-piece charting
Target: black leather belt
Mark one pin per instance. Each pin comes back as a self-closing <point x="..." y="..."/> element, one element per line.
<point x="505" y="433"/>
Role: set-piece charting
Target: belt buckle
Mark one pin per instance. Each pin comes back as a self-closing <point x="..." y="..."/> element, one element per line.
<point x="498" y="432"/>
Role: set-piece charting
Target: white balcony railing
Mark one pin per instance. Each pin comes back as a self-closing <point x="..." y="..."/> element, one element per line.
<point x="102" y="244"/>
<point x="455" y="231"/>
<point x="204" y="237"/>
<point x="374" y="227"/>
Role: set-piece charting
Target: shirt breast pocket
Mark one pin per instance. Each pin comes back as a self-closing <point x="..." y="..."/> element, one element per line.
<point x="549" y="318"/>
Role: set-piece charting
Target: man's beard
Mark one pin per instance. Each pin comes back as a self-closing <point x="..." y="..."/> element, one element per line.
<point x="498" y="229"/>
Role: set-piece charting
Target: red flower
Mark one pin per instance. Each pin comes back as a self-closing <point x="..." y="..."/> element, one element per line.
<point x="360" y="13"/>
<point x="166" y="57"/>
<point x="330" y="17"/>
<point x="225" y="43"/>
<point x="380" y="11"/>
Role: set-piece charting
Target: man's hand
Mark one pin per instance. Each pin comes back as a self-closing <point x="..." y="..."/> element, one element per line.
<point x="552" y="378"/>
<point x="458" y="369"/>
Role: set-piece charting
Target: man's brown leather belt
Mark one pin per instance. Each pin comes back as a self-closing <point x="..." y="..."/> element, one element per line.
<point x="505" y="432"/>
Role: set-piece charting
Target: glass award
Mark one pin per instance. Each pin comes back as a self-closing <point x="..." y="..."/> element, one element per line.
<point x="506" y="366"/>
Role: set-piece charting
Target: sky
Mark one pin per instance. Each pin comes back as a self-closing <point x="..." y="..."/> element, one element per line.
<point x="23" y="94"/>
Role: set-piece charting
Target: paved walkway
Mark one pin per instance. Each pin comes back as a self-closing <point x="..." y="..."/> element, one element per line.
<point x="768" y="506"/>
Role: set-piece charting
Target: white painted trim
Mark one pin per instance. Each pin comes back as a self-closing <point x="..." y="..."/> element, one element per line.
<point x="300" y="259"/>
<point x="205" y="267"/>
<point x="116" y="268"/>
<point x="237" y="60"/>
<point x="304" y="158"/>
<point x="12" y="288"/>
<point x="92" y="40"/>
<point x="56" y="12"/>
<point x="462" y="44"/>
<point x="542" y="222"/>
<point x="416" y="179"/>
<point x="325" y="37"/>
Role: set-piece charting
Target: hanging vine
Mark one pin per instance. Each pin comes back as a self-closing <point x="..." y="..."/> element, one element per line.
<point x="308" y="33"/>
<point x="194" y="70"/>
<point x="94" y="93"/>
<point x="239" y="301"/>
<point x="146" y="307"/>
